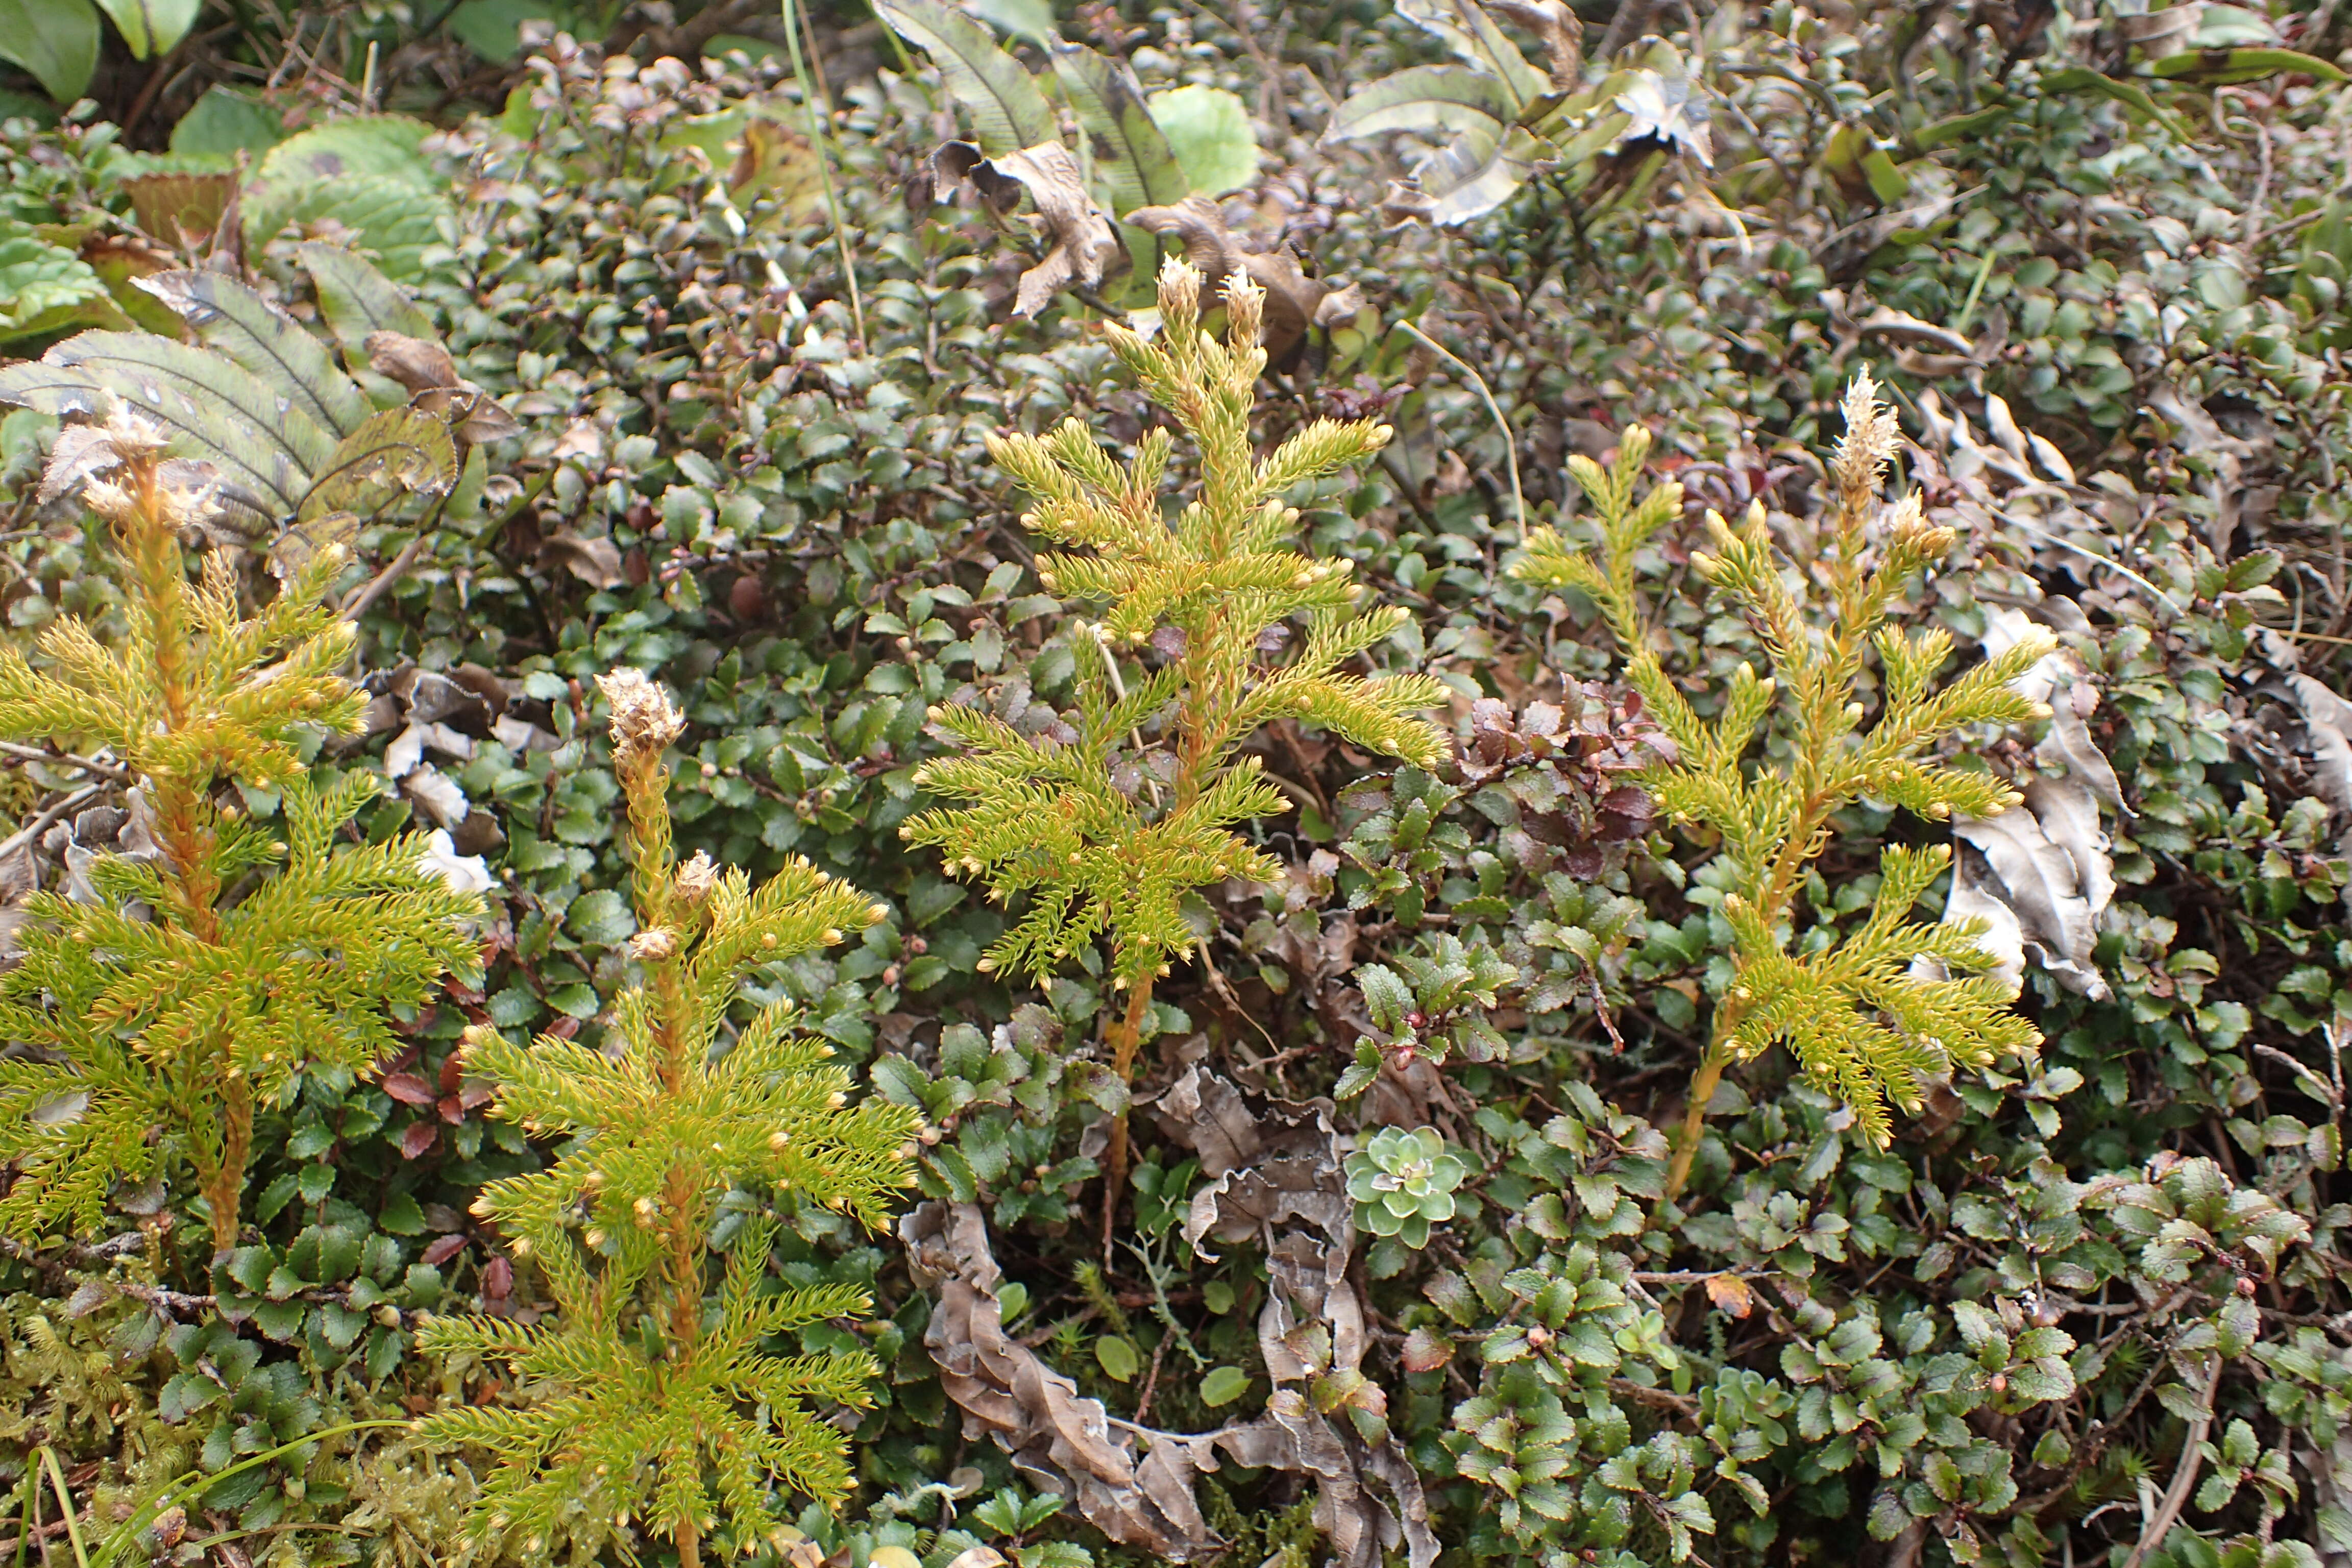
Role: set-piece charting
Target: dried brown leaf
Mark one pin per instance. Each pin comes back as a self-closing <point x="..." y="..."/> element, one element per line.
<point x="1080" y="239"/>
<point x="1293" y="299"/>
<point x="2327" y="724"/>
<point x="1730" y="1294"/>
<point x="418" y="364"/>
<point x="1266" y="1167"/>
<point x="1562" y="30"/>
<point x="425" y="370"/>
<point x="1058" y="1440"/>
<point x="595" y="561"/>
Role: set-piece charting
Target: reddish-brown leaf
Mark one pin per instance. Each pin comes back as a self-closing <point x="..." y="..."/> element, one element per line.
<point x="1426" y="1350"/>
<point x="420" y="1137"/>
<point x="408" y="1089"/>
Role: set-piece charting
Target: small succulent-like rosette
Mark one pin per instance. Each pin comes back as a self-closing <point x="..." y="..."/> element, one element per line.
<point x="1403" y="1181"/>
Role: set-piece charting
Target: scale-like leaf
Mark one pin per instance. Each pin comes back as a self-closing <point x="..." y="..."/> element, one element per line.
<point x="1434" y="99"/>
<point x="237" y="322"/>
<point x="1130" y="152"/>
<point x="357" y="300"/>
<point x="153" y="27"/>
<point x="1479" y="41"/>
<point x="1008" y="113"/>
<point x="398" y="451"/>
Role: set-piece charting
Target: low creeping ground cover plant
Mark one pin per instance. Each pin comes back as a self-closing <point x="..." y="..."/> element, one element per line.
<point x="212" y="965"/>
<point x="1873" y="1012"/>
<point x="1107" y="834"/>
<point x="655" y="1394"/>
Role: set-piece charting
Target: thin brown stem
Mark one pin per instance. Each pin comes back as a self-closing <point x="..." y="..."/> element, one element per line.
<point x="1125" y="1036"/>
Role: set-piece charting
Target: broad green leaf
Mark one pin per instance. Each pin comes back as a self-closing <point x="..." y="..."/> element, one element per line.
<point x="32" y="106"/>
<point x="398" y="451"/>
<point x="213" y="408"/>
<point x="1211" y="134"/>
<point x="224" y="122"/>
<point x="234" y="319"/>
<point x="358" y="300"/>
<point x="1008" y="113"/>
<point x="153" y="27"/>
<point x="56" y="40"/>
<point x="1476" y="40"/>
<point x="1433" y="99"/>
<point x="1030" y="19"/>
<point x="366" y="171"/>
<point x="2231" y="26"/>
<point x="601" y="917"/>
<point x="1131" y="154"/>
<point x="46" y="290"/>
<point x="493" y="28"/>
<point x="150" y="371"/>
<point x="393" y="217"/>
<point x="2219" y="67"/>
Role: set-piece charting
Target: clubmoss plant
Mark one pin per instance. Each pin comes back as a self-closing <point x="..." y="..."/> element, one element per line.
<point x="1848" y="1004"/>
<point x="654" y="1395"/>
<point x="1107" y="834"/>
<point x="217" y="964"/>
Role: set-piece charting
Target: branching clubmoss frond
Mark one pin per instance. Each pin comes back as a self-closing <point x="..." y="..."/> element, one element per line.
<point x="1850" y="1008"/>
<point x="1108" y="852"/>
<point x="163" y="1015"/>
<point x="656" y="1395"/>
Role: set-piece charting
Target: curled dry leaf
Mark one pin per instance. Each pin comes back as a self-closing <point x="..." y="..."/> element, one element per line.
<point x="425" y="370"/>
<point x="1663" y="113"/>
<point x="1294" y="302"/>
<point x="1059" y="1441"/>
<point x="1265" y="1168"/>
<point x="2041" y="874"/>
<point x="1901" y="326"/>
<point x="1562" y="30"/>
<point x="20" y="878"/>
<point x="1270" y="1164"/>
<point x="1080" y="240"/>
<point x="2059" y="679"/>
<point x="595" y="561"/>
<point x="2221" y="458"/>
<point x="2327" y="726"/>
<point x="2019" y="864"/>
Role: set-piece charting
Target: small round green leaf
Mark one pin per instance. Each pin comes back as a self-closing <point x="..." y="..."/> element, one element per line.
<point x="1222" y="1385"/>
<point x="1119" y="1358"/>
